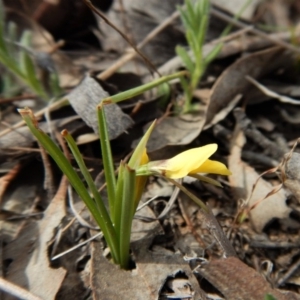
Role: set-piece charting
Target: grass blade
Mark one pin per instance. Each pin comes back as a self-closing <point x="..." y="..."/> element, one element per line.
<point x="127" y="213"/>
<point x="73" y="177"/>
<point x="108" y="164"/>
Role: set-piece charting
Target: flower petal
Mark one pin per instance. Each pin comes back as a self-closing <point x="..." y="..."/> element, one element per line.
<point x="185" y="162"/>
<point x="212" y="167"/>
<point x="144" y="158"/>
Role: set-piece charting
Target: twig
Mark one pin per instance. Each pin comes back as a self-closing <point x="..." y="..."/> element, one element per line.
<point x="15" y="290"/>
<point x="51" y="107"/>
<point x="77" y="246"/>
<point x="128" y="56"/>
<point x="107" y="21"/>
<point x="293" y="268"/>
<point x="253" y="133"/>
<point x="239" y="24"/>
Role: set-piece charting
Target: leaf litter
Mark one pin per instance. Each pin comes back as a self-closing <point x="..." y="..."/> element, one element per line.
<point x="180" y="253"/>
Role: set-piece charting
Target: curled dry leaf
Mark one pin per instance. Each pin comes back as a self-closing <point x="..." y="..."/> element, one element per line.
<point x="176" y="131"/>
<point x="268" y="92"/>
<point x="85" y="98"/>
<point x="232" y="82"/>
<point x="235" y="280"/>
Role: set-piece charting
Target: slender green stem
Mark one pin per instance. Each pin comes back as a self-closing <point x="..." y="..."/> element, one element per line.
<point x="139" y="90"/>
<point x="107" y="158"/>
<point x="188" y="193"/>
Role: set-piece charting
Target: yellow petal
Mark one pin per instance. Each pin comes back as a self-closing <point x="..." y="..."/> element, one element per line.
<point x="212" y="167"/>
<point x="144" y="158"/>
<point x="185" y="162"/>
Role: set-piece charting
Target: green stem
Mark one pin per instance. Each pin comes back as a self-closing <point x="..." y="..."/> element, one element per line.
<point x="191" y="195"/>
<point x="139" y="90"/>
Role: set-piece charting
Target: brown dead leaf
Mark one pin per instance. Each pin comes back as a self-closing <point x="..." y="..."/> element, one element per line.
<point x="232" y="82"/>
<point x="235" y="280"/>
<point x="242" y="180"/>
<point x="29" y="251"/>
<point x="175" y="131"/>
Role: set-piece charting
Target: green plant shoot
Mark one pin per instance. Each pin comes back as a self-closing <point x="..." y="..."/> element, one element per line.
<point x="125" y="190"/>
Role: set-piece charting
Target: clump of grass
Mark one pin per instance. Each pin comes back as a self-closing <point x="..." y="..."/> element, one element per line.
<point x="16" y="58"/>
<point x="195" y="17"/>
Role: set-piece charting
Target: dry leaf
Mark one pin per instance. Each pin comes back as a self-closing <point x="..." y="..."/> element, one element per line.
<point x="272" y="94"/>
<point x="232" y="81"/>
<point x="29" y="252"/>
<point x="235" y="280"/>
<point x="85" y="98"/>
<point x="175" y="131"/>
<point x="242" y="180"/>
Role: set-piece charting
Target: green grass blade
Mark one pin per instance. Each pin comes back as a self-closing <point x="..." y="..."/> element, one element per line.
<point x="116" y="217"/>
<point x="107" y="158"/>
<point x="12" y="33"/>
<point x="27" y="66"/>
<point x="213" y="54"/>
<point x="2" y="22"/>
<point x="126" y="215"/>
<point x="180" y="51"/>
<point x="86" y="174"/>
<point x="74" y="179"/>
<point x="102" y="211"/>
<point x="189" y="14"/>
<point x="136" y="156"/>
<point x="202" y="31"/>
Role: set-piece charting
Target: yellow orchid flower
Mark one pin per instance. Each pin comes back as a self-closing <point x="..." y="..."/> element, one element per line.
<point x="190" y="162"/>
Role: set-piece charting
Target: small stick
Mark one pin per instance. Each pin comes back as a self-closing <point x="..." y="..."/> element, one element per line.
<point x="16" y="291"/>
